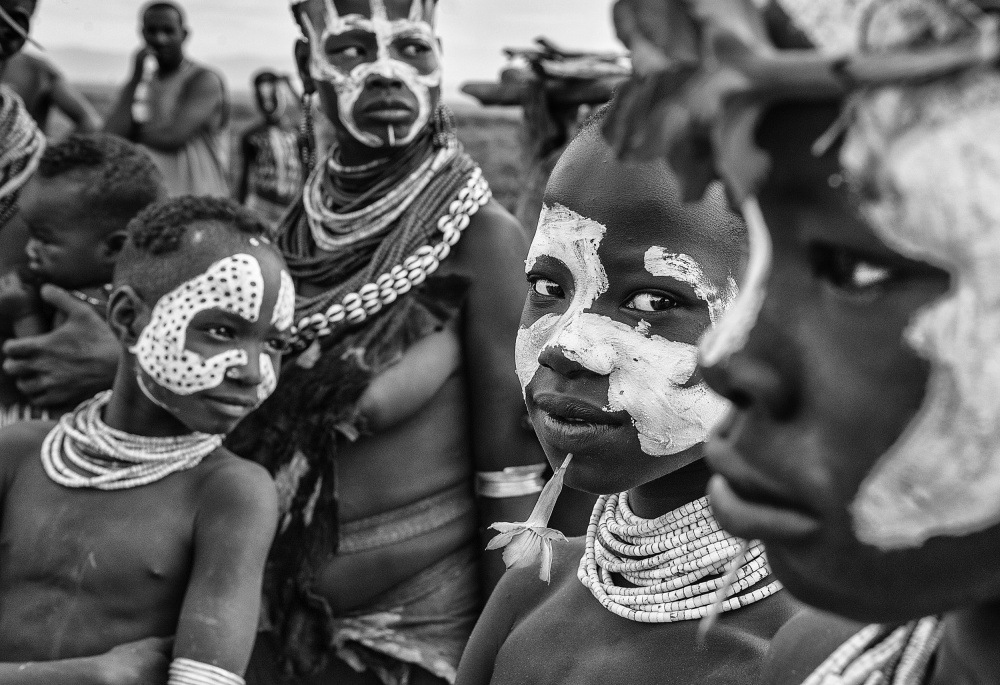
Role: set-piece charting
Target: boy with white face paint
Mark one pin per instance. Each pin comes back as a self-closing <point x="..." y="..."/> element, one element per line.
<point x="623" y="281"/>
<point x="127" y="519"/>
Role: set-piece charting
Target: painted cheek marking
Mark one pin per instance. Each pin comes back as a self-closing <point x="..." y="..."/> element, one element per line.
<point x="659" y="261"/>
<point x="572" y="239"/>
<point x="284" y="307"/>
<point x="269" y="379"/>
<point x="730" y="335"/>
<point x="350" y="85"/>
<point x="234" y="284"/>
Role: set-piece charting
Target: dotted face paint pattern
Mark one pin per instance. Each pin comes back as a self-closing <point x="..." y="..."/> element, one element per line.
<point x="234" y="284"/>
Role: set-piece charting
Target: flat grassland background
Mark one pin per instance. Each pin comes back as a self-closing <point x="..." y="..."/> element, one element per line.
<point x="492" y="135"/>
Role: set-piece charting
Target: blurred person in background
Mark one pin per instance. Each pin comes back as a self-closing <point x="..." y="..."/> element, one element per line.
<point x="271" y="168"/>
<point x="43" y="87"/>
<point x="177" y="109"/>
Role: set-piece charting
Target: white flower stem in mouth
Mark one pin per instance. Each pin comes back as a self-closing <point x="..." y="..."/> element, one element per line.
<point x="525" y="542"/>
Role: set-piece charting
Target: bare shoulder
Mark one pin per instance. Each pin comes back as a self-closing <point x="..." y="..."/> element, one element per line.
<point x="803" y="644"/>
<point x="524" y="592"/>
<point x="20" y="442"/>
<point x="205" y="81"/>
<point x="493" y="234"/>
<point x="236" y="487"/>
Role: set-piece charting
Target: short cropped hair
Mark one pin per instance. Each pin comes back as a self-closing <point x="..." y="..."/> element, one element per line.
<point x="155" y="241"/>
<point x="164" y="5"/>
<point x="119" y="179"/>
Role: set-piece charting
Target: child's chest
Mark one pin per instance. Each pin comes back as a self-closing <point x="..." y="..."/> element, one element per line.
<point x="92" y="540"/>
<point x="571" y="638"/>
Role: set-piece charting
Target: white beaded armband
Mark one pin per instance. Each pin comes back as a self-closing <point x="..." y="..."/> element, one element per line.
<point x="513" y="481"/>
<point x="191" y="672"/>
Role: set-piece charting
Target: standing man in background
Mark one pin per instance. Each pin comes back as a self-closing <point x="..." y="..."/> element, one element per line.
<point x="177" y="109"/>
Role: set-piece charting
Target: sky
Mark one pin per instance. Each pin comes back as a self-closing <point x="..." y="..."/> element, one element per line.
<point x="90" y="40"/>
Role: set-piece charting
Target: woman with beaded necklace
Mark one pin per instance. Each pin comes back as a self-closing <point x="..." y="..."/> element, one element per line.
<point x="623" y="280"/>
<point x="401" y="388"/>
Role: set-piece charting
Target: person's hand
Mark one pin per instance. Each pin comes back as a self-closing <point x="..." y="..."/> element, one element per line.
<point x="70" y="363"/>
<point x="139" y="62"/>
<point x="143" y="662"/>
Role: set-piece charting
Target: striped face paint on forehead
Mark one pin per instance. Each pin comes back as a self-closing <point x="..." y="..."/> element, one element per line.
<point x="649" y="375"/>
<point x="234" y="285"/>
<point x="392" y="33"/>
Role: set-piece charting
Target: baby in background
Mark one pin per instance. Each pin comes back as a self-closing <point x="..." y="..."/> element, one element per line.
<point x="76" y="208"/>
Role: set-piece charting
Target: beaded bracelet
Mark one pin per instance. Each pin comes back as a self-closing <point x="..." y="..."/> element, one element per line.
<point x="190" y="672"/>
<point x="513" y="481"/>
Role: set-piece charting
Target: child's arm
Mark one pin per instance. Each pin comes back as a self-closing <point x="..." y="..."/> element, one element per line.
<point x="143" y="661"/>
<point x="234" y="527"/>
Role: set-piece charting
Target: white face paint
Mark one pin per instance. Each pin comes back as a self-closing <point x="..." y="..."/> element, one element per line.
<point x="936" y="156"/>
<point x="387" y="33"/>
<point x="234" y="284"/>
<point x="647" y="373"/>
<point x="681" y="267"/>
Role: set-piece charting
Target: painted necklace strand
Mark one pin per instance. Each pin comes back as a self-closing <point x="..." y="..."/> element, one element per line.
<point x="676" y="562"/>
<point x="885" y="655"/>
<point x="84" y="452"/>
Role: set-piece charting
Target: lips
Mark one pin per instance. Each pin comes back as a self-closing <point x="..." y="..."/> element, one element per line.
<point x="390" y="111"/>
<point x="232" y="406"/>
<point x="750" y="505"/>
<point x="573" y="424"/>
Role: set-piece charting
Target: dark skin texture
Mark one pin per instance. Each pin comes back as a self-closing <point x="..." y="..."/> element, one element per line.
<point x="452" y="405"/>
<point x="85" y="570"/>
<point x="824" y="386"/>
<point x="202" y="101"/>
<point x="531" y="632"/>
<point x="41" y="86"/>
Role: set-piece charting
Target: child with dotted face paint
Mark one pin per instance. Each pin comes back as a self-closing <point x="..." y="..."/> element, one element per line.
<point x="127" y="519"/>
<point x="623" y="280"/>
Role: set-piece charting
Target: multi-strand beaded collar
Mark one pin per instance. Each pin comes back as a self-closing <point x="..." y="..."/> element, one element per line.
<point x="884" y="655"/>
<point x="678" y="563"/>
<point x="84" y="452"/>
<point x="332" y="231"/>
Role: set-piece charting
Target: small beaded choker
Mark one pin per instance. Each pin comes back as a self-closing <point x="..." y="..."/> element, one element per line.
<point x="677" y="563"/>
<point x="881" y="654"/>
<point x="84" y="452"/>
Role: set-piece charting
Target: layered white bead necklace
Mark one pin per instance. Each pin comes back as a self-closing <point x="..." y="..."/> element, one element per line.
<point x="333" y="230"/>
<point x="884" y="655"/>
<point x="84" y="452"/>
<point x="676" y="562"/>
<point x="386" y="288"/>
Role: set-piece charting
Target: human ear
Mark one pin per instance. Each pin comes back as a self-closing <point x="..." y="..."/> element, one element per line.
<point x="128" y="314"/>
<point x="302" y="57"/>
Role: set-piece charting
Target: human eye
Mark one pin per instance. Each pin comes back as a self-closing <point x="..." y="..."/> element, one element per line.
<point x="221" y="333"/>
<point x="279" y="345"/>
<point x="850" y="271"/>
<point x="545" y="287"/>
<point x="414" y="48"/>
<point x="651" y="302"/>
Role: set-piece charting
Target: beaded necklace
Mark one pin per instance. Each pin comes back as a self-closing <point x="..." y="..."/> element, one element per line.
<point x="885" y="655"/>
<point x="21" y="146"/>
<point x="676" y="562"/>
<point x="84" y="452"/>
<point x="437" y="182"/>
